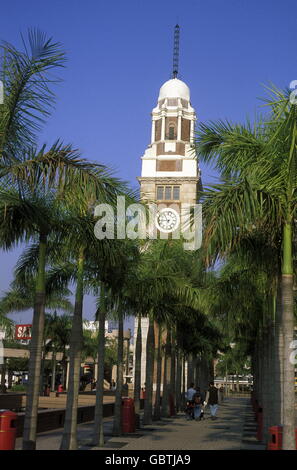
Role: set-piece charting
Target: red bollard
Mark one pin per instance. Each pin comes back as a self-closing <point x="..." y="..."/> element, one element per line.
<point x="128" y="415"/>
<point x="276" y="438"/>
<point x="7" y="429"/>
<point x="59" y="390"/>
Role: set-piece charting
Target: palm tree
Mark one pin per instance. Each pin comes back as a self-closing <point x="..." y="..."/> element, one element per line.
<point x="241" y="297"/>
<point x="57" y="332"/>
<point x="162" y="286"/>
<point x="85" y="241"/>
<point x="260" y="163"/>
<point x="137" y="369"/>
<point x="98" y="436"/>
<point x="26" y="89"/>
<point x="149" y="372"/>
<point x="113" y="280"/>
<point x="69" y="439"/>
<point x="24" y="215"/>
<point x="28" y="99"/>
<point x="158" y="364"/>
<point x="165" y="411"/>
<point x="117" y="422"/>
<point x="62" y="268"/>
<point x="41" y="212"/>
<point x="35" y="174"/>
<point x="20" y="296"/>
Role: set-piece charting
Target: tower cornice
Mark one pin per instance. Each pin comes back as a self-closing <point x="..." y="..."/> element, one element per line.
<point x="168" y="179"/>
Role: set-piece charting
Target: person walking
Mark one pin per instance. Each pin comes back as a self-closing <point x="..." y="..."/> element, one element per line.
<point x="191" y="392"/>
<point x="198" y="403"/>
<point x="212" y="400"/>
<point x="190" y="403"/>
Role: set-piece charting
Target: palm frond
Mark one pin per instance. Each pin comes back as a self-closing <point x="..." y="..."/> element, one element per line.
<point x="28" y="98"/>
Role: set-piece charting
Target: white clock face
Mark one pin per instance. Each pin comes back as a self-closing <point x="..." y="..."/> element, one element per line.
<point x="167" y="220"/>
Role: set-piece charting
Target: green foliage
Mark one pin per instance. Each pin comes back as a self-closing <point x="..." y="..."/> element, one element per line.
<point x="234" y="362"/>
<point x="18" y="364"/>
<point x="111" y="354"/>
<point x="27" y="97"/>
<point x="18" y="388"/>
<point x="90" y="348"/>
<point x="57" y="332"/>
<point x="10" y="343"/>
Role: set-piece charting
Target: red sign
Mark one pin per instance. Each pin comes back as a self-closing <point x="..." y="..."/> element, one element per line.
<point x="23" y="331"/>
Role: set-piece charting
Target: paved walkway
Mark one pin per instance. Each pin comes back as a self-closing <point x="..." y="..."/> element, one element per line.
<point x="234" y="429"/>
<point x="227" y="432"/>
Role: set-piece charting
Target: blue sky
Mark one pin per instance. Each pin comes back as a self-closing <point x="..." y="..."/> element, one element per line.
<point x="119" y="54"/>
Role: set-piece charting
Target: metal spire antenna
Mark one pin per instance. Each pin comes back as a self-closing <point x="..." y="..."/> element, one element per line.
<point x="175" y="51"/>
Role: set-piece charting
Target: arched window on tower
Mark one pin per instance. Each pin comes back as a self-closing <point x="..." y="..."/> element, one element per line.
<point x="171" y="131"/>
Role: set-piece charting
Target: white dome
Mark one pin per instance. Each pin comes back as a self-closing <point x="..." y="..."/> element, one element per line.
<point x="174" y="88"/>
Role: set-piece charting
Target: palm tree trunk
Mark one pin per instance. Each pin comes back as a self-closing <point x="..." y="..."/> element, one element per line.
<point x="197" y="374"/>
<point x="172" y="372"/>
<point x="9" y="380"/>
<point x="31" y="413"/>
<point x="194" y="369"/>
<point x="190" y="370"/>
<point x="165" y="412"/>
<point x="98" y="437"/>
<point x="150" y="352"/>
<point x="184" y="380"/>
<point x="204" y="374"/>
<point x="269" y="407"/>
<point x="178" y="380"/>
<point x="260" y="370"/>
<point x="117" y="421"/>
<point x="157" y="409"/>
<point x="265" y="394"/>
<point x="278" y="359"/>
<point x="41" y="386"/>
<point x="64" y="370"/>
<point x="226" y="382"/>
<point x="54" y="362"/>
<point x="69" y="439"/>
<point x="3" y="374"/>
<point x="288" y="335"/>
<point x="137" y="371"/>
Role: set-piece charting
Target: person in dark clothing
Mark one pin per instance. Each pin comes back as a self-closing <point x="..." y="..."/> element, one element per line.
<point x="198" y="403"/>
<point x="212" y="400"/>
<point x="202" y="395"/>
<point x="190" y="402"/>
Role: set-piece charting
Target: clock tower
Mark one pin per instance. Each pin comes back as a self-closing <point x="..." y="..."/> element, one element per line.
<point x="170" y="175"/>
